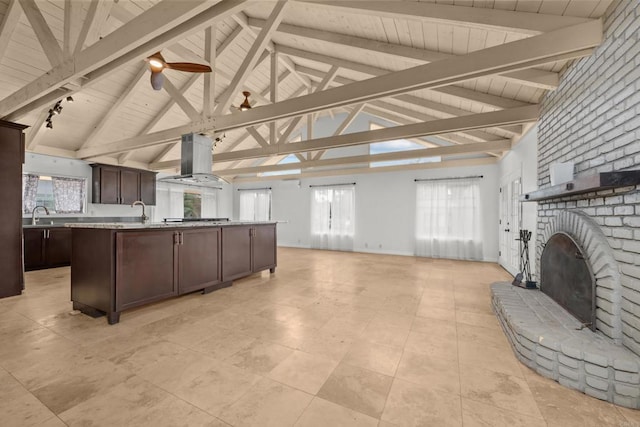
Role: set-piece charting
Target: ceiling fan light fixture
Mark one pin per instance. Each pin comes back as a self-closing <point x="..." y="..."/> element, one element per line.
<point x="157" y="78"/>
<point x="156" y="64"/>
<point x="246" y="105"/>
<point x="49" y="124"/>
<point x="70" y="99"/>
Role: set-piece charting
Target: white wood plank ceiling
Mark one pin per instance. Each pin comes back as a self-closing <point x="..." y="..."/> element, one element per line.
<point x="470" y="72"/>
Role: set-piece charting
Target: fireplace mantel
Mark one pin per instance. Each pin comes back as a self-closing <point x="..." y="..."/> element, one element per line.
<point x="585" y="184"/>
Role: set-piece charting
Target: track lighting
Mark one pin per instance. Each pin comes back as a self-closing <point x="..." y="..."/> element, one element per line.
<point x="246" y="105"/>
<point x="219" y="139"/>
<point x="55" y="110"/>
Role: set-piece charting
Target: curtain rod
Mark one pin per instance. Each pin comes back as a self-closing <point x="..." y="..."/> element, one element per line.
<point x="333" y="185"/>
<point x="446" y="179"/>
<point x="254" y="189"/>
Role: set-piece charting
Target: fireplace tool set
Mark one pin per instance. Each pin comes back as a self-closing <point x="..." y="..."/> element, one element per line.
<point x="525" y="267"/>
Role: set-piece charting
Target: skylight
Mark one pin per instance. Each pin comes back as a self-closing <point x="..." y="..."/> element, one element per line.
<point x="291" y="158"/>
<point x="397" y="146"/>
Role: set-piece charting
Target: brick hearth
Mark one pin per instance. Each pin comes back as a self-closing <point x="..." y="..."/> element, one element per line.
<point x="549" y="340"/>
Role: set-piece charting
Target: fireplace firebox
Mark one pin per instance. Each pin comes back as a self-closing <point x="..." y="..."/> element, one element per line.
<point x="567" y="278"/>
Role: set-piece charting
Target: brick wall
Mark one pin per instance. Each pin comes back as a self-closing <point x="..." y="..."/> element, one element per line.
<point x="593" y="119"/>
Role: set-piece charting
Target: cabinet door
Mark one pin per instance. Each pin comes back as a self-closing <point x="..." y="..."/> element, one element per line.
<point x="129" y="186"/>
<point x="199" y="266"/>
<point x="58" y="247"/>
<point x="148" y="188"/>
<point x="236" y="255"/>
<point x="108" y="186"/>
<point x="146" y="267"/>
<point x="11" y="159"/>
<point x="34" y="248"/>
<point x="264" y="247"/>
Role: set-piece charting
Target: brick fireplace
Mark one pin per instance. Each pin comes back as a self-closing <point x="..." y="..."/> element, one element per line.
<point x="592" y="120"/>
<point x="580" y="353"/>
<point x="599" y="260"/>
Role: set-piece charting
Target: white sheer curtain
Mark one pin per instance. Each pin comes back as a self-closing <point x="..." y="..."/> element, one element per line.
<point x="29" y="191"/>
<point x="68" y="194"/>
<point x="448" y="219"/>
<point x="255" y="205"/>
<point x="333" y="217"/>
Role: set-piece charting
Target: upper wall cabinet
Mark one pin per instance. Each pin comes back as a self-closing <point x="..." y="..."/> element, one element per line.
<point x="122" y="186"/>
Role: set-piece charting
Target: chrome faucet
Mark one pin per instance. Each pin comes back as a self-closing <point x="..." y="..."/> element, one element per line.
<point x="144" y="217"/>
<point x="34" y="220"/>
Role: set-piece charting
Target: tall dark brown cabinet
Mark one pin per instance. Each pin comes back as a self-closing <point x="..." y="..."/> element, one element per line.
<point x="11" y="159"/>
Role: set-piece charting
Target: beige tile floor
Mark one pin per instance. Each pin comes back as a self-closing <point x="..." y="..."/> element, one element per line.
<point x="331" y="339"/>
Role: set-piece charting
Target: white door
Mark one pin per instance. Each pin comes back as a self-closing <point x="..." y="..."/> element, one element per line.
<point x="510" y="220"/>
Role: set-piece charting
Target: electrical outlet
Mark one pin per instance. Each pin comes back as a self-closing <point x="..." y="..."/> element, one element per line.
<point x="366" y="245"/>
<point x="380" y="246"/>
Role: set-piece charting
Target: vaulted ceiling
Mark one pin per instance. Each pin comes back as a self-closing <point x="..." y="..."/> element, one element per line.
<point x="461" y="77"/>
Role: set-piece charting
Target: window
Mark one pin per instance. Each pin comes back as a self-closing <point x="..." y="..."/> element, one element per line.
<point x="448" y="221"/>
<point x="291" y="158"/>
<point x="192" y="204"/>
<point x="58" y="194"/>
<point x="255" y="204"/>
<point x="395" y="146"/>
<point x="333" y="217"/>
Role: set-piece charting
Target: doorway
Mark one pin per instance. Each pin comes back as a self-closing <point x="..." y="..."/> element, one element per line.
<point x="510" y="223"/>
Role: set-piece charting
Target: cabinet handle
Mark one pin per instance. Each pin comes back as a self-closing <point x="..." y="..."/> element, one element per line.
<point x="181" y="238"/>
<point x="44" y="234"/>
<point x="48" y="234"/>
<point x="176" y="241"/>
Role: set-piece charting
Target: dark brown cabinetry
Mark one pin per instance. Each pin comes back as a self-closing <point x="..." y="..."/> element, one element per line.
<point x="146" y="267"/>
<point x="247" y="250"/>
<point x="236" y="259"/>
<point x="263" y="247"/>
<point x="11" y="159"/>
<point x="130" y="187"/>
<point x="199" y="259"/>
<point x="46" y="247"/>
<point x="113" y="270"/>
<point x="117" y="185"/>
<point x="148" y="187"/>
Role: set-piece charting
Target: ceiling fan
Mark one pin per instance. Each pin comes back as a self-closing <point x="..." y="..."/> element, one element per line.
<point x="157" y="64"/>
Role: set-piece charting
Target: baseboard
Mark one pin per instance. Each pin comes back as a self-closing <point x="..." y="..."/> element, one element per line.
<point x="293" y="245"/>
<point x="373" y="251"/>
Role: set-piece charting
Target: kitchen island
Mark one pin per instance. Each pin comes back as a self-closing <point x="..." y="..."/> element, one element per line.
<point x="117" y="266"/>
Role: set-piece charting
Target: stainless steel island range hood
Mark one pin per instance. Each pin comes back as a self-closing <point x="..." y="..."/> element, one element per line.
<point x="195" y="162"/>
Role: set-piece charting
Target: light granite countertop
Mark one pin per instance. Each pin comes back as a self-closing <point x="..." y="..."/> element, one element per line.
<point x="140" y="225"/>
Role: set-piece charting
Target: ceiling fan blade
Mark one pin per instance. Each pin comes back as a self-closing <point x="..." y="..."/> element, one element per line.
<point x="189" y="67"/>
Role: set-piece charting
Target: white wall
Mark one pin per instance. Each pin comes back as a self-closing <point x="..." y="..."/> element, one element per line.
<point x="170" y="201"/>
<point x="385" y="202"/>
<point x="522" y="161"/>
<point x="50" y="165"/>
<point x="385" y="208"/>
